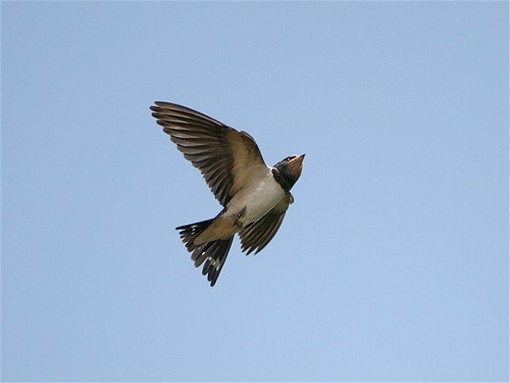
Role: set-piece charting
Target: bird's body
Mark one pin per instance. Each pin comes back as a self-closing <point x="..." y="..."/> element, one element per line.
<point x="254" y="196"/>
<point x="250" y="204"/>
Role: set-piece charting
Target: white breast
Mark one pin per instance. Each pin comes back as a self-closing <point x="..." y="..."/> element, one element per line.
<point x="258" y="198"/>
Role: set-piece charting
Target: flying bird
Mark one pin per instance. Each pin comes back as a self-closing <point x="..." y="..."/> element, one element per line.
<point x="254" y="196"/>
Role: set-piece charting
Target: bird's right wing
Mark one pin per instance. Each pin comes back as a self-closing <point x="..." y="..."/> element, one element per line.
<point x="225" y="157"/>
<point x="259" y="233"/>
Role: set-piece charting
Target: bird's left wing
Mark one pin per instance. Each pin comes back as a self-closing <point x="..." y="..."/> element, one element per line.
<point x="258" y="234"/>
<point x="225" y="157"/>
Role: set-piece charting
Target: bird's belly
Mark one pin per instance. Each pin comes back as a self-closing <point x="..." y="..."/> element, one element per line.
<point x="258" y="201"/>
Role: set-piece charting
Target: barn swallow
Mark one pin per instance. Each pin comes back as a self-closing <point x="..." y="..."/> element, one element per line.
<point x="254" y="196"/>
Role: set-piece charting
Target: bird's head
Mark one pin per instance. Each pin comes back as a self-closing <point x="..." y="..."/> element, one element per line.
<point x="290" y="169"/>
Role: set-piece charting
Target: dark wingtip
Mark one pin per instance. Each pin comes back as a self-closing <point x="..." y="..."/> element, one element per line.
<point x="158" y="106"/>
<point x="157" y="115"/>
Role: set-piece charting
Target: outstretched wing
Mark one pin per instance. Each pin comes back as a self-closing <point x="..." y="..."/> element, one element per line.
<point x="224" y="156"/>
<point x="259" y="233"/>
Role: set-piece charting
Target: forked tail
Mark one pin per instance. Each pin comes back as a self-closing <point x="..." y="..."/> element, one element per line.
<point x="214" y="253"/>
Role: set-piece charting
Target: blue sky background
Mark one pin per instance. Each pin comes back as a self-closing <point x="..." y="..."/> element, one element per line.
<point x="391" y="265"/>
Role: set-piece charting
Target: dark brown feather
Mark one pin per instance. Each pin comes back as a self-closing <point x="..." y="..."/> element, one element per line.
<point x="258" y="234"/>
<point x="214" y="253"/>
<point x="224" y="156"/>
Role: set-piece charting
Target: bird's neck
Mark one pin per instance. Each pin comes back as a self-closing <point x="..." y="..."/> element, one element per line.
<point x="285" y="181"/>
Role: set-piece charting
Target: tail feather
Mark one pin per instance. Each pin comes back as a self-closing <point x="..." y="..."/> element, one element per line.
<point x="189" y="232"/>
<point x="213" y="253"/>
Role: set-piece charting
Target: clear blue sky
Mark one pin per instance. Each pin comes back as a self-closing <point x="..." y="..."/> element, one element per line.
<point x="392" y="264"/>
